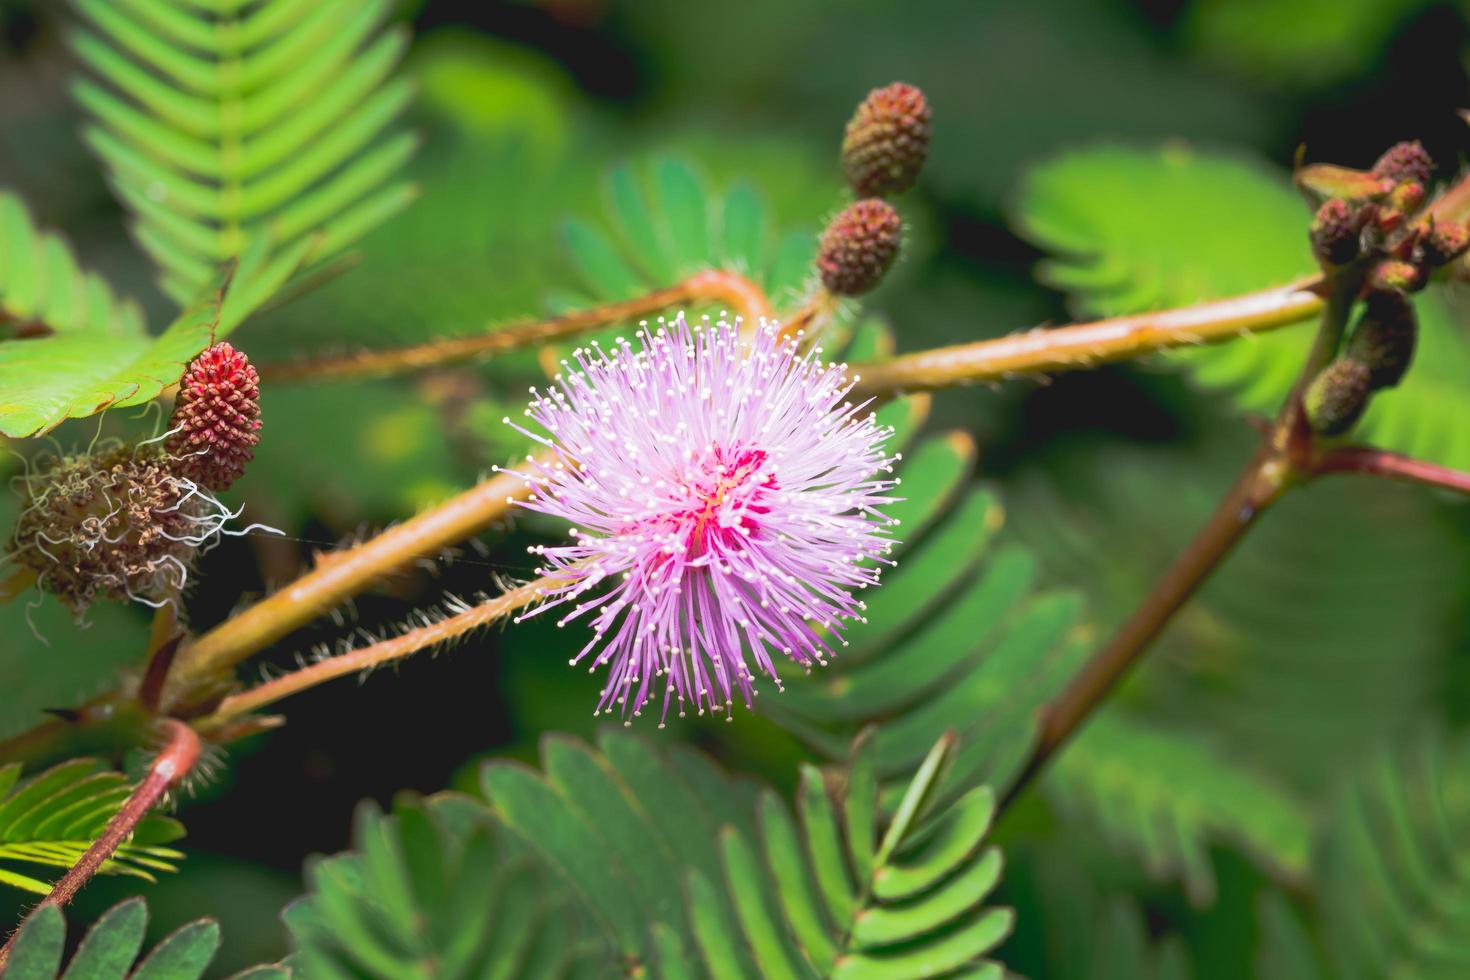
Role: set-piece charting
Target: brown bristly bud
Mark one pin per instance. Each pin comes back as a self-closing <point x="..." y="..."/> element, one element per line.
<point x="216" y="417"/>
<point x="1336" y="398"/>
<point x="886" y="141"/>
<point x="1407" y="161"/>
<point x="859" y="246"/>
<point x="1336" y="233"/>
<point x="1391" y="276"/>
<point x="117" y="525"/>
<point x="1444" y="242"/>
<point x="1383" y="338"/>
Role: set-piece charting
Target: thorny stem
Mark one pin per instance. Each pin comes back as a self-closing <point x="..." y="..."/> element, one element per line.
<point x="1086" y="345"/>
<point x="337" y="577"/>
<point x="711" y="286"/>
<point x="177" y="759"/>
<point x="1391" y="466"/>
<point x="372" y="656"/>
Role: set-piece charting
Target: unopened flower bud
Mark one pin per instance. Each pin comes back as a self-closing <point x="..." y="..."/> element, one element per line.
<point x="1336" y="232"/>
<point x="1383" y="339"/>
<point x="1390" y="276"/>
<point x="858" y="247"/>
<point x="1406" y="198"/>
<point x="1336" y="398"/>
<point x="1444" y="242"/>
<point x="216" y="417"/>
<point x="886" y="141"/>
<point x="1406" y="161"/>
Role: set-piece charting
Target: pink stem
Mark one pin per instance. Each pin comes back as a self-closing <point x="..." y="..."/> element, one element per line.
<point x="1391" y="466"/>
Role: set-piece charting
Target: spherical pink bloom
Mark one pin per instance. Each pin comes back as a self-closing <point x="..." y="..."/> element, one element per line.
<point x="724" y="498"/>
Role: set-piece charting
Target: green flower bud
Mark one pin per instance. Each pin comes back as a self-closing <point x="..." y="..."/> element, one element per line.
<point x="1336" y="398"/>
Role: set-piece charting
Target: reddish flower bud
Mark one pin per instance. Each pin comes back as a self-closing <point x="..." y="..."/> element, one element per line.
<point x="858" y="247"/>
<point x="886" y="141"/>
<point x="1336" y="398"/>
<point x="1404" y="162"/>
<point x="1336" y="233"/>
<point x="1383" y="339"/>
<point x="216" y="417"/>
<point x="1444" y="242"/>
<point x="1391" y="276"/>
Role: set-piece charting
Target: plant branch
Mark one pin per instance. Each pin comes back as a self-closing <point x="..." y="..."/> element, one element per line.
<point x="372" y="656"/>
<point x="710" y="286"/>
<point x="337" y="577"/>
<point x="177" y="759"/>
<point x="1263" y="481"/>
<point x="1391" y="466"/>
<point x="16" y="582"/>
<point x="1086" y="345"/>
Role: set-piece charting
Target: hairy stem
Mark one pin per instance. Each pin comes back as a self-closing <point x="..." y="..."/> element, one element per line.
<point x="1086" y="345"/>
<point x="711" y="286"/>
<point x="337" y="577"/>
<point x="16" y="582"/>
<point x="178" y="757"/>
<point x="1391" y="466"/>
<point x="372" y="656"/>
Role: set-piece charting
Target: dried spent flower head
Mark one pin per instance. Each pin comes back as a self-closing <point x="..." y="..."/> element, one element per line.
<point x="725" y="495"/>
<point x="119" y="524"/>
<point x="886" y="141"/>
<point x="1405" y="161"/>
<point x="858" y="247"/>
<point x="216" y="417"/>
<point x="1337" y="396"/>
<point x="1383" y="338"/>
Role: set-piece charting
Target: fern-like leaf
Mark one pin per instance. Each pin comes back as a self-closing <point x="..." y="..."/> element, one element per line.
<point x="433" y="882"/>
<point x="109" y="948"/>
<point x="52" y="818"/>
<point x="1395" y="875"/>
<point x="42" y="286"/>
<point x="226" y="121"/>
<point x="1136" y="229"/>
<point x="696" y="873"/>
<point x="667" y="222"/>
<point x="1166" y="796"/>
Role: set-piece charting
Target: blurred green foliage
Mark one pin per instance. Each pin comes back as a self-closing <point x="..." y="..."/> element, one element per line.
<point x="579" y="150"/>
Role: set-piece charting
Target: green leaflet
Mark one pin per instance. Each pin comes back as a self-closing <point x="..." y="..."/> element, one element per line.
<point x="217" y="130"/>
<point x="42" y="284"/>
<point x="673" y="875"/>
<point x="50" y="819"/>
<point x="108" y="950"/>
<point x="77" y="373"/>
<point x="1141" y="229"/>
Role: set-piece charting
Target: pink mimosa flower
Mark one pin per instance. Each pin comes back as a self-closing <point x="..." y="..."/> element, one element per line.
<point x="724" y="498"/>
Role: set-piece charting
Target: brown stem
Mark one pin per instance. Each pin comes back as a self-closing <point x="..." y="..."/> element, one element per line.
<point x="179" y="756"/>
<point x="1089" y="344"/>
<point x="710" y="286"/>
<point x="1259" y="486"/>
<point x="337" y="577"/>
<point x="1391" y="466"/>
<point x="16" y="582"/>
<point x="372" y="656"/>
